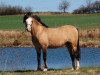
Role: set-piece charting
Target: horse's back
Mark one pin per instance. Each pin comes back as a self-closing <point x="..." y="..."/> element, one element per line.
<point x="64" y="28"/>
<point x="67" y="30"/>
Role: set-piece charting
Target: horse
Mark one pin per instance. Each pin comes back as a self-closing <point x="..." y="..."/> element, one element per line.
<point x="44" y="37"/>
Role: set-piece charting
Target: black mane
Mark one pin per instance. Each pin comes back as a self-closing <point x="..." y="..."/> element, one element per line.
<point x="29" y="14"/>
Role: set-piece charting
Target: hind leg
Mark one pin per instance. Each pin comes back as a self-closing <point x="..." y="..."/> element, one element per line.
<point x="77" y="57"/>
<point x="73" y="61"/>
<point x="45" y="59"/>
<point x="70" y="49"/>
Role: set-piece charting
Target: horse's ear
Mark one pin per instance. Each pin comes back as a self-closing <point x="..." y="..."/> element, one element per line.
<point x="34" y="16"/>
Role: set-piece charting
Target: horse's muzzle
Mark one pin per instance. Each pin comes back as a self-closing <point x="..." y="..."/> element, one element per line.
<point x="28" y="28"/>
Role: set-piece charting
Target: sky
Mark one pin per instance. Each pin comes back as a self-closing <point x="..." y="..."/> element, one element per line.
<point x="45" y="5"/>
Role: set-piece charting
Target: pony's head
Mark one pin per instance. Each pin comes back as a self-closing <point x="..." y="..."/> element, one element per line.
<point x="26" y="16"/>
<point x="28" y="19"/>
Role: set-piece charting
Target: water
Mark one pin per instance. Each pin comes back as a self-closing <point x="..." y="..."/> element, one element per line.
<point x="12" y="59"/>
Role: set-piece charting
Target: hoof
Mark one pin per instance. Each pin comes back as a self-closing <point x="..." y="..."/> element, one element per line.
<point x="77" y="68"/>
<point x="45" y="69"/>
<point x="72" y="69"/>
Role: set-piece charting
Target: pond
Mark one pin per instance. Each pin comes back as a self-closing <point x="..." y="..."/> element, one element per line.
<point x="12" y="59"/>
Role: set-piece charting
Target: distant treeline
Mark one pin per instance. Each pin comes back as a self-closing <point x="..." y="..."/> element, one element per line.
<point x="89" y="8"/>
<point x="13" y="10"/>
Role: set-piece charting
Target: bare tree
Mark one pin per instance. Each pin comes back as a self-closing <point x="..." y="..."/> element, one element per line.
<point x="96" y="6"/>
<point x="90" y="7"/>
<point x="88" y="3"/>
<point x="12" y="10"/>
<point x="63" y="5"/>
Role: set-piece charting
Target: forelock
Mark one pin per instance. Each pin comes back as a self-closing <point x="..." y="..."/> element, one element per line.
<point x="26" y="16"/>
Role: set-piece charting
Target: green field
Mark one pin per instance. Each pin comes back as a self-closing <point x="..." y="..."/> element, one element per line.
<point x="81" y="21"/>
<point x="11" y="22"/>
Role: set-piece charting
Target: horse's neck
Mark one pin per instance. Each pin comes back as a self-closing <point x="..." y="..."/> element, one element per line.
<point x="36" y="28"/>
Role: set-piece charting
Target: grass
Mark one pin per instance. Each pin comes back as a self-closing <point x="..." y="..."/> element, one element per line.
<point x="14" y="38"/>
<point x="82" y="71"/>
<point x="11" y="22"/>
<point x="81" y="21"/>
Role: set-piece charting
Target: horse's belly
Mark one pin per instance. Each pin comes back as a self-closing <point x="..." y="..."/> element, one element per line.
<point x="56" y="46"/>
<point x="56" y="43"/>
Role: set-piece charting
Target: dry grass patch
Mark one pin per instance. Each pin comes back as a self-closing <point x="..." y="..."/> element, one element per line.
<point x="90" y="33"/>
<point x="88" y="38"/>
<point x="15" y="38"/>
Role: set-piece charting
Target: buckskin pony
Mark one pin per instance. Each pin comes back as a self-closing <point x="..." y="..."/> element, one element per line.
<point x="44" y="37"/>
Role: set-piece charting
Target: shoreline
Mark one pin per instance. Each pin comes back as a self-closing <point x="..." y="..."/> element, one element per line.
<point x="82" y="71"/>
<point x="17" y="38"/>
<point x="82" y="45"/>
